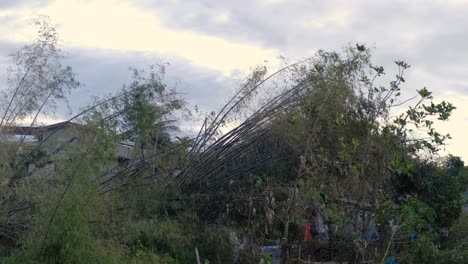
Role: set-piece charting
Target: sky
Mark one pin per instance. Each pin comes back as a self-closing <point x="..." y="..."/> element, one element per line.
<point x="209" y="44"/>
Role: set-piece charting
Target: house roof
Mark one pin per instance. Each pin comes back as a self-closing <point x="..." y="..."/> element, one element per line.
<point x="25" y="130"/>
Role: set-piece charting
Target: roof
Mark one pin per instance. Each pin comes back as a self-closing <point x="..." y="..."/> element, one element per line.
<point x="25" y="130"/>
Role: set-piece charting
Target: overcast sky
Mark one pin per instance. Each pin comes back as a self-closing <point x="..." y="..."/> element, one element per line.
<point x="210" y="43"/>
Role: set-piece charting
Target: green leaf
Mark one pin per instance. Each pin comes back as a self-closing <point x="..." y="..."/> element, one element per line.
<point x="301" y="183"/>
<point x="292" y="119"/>
<point x="424" y="93"/>
<point x="324" y="197"/>
<point x="360" y="48"/>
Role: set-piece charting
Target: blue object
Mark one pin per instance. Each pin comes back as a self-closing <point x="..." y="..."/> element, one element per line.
<point x="372" y="235"/>
<point x="274" y="251"/>
<point x="391" y="260"/>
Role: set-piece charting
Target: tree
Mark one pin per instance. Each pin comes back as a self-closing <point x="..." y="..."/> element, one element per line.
<point x="355" y="149"/>
<point x="37" y="79"/>
<point x="429" y="178"/>
<point x="346" y="150"/>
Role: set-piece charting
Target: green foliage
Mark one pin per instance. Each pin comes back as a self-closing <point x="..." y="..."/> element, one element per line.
<point x="164" y="237"/>
<point x="439" y="186"/>
<point x="148" y="103"/>
<point x="37" y="80"/>
<point x="20" y="165"/>
<point x="142" y="256"/>
<point x="64" y="233"/>
<point x="214" y="245"/>
<point x="335" y="154"/>
<point x="416" y="215"/>
<point x="425" y="251"/>
<point x="265" y="258"/>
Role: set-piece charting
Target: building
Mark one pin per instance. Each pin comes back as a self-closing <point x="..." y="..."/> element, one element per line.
<point x="56" y="141"/>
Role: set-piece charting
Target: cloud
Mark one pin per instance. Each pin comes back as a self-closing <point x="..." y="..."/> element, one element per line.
<point x="283" y="25"/>
<point x="127" y="27"/>
<point x="105" y="72"/>
<point x="5" y="49"/>
<point x="423" y="33"/>
<point x="22" y="3"/>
